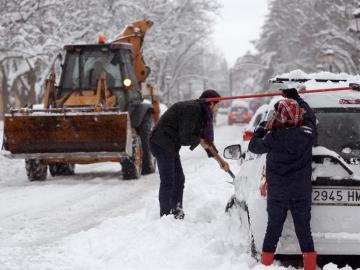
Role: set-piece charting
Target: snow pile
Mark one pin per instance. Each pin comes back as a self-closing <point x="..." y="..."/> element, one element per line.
<point x="143" y="241"/>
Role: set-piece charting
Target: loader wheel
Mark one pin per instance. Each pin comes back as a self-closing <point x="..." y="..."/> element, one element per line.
<point x="148" y="160"/>
<point x="36" y="169"/>
<point x="131" y="167"/>
<point x="61" y="169"/>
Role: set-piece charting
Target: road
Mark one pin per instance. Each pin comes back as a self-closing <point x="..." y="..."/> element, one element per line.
<point x="72" y="222"/>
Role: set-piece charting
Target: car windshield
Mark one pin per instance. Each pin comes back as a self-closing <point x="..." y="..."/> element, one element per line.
<point x="84" y="68"/>
<point x="339" y="131"/>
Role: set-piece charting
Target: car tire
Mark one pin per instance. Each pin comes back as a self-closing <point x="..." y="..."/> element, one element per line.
<point x="148" y="160"/>
<point x="131" y="167"/>
<point x="36" y="169"/>
<point x="57" y="169"/>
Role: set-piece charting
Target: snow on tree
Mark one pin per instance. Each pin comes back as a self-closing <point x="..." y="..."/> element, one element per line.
<point x="297" y="35"/>
<point x="36" y="31"/>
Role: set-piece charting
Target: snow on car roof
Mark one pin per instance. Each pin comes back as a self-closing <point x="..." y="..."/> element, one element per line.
<point x="325" y="99"/>
<point x="299" y="74"/>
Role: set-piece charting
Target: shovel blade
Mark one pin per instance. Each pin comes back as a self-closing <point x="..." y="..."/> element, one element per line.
<point x="67" y="133"/>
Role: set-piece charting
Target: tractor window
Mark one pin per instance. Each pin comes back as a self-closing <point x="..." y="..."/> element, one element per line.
<point x="70" y="72"/>
<point x="94" y="63"/>
<point x="83" y="69"/>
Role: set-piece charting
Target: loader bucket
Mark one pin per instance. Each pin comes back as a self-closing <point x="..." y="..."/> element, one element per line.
<point x="44" y="134"/>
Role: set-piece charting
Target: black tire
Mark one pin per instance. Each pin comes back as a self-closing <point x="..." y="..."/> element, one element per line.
<point x="241" y="207"/>
<point x="57" y="169"/>
<point x="231" y="204"/>
<point x="36" y="169"/>
<point x="131" y="167"/>
<point x="148" y="160"/>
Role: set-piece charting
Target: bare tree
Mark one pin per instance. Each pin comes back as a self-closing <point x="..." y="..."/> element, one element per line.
<point x="296" y="35"/>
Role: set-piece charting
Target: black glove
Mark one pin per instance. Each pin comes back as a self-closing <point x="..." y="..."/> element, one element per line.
<point x="355" y="86"/>
<point x="290" y="93"/>
<point x="263" y="124"/>
<point x="260" y="131"/>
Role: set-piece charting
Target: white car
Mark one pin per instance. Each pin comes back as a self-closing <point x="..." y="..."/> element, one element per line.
<point x="258" y="117"/>
<point x="335" y="215"/>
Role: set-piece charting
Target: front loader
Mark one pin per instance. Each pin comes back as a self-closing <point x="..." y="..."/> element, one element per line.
<point x="95" y="114"/>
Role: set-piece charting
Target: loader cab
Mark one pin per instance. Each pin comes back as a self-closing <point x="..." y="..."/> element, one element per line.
<point x="84" y="64"/>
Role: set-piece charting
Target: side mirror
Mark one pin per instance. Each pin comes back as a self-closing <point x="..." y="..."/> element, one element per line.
<point x="232" y="152"/>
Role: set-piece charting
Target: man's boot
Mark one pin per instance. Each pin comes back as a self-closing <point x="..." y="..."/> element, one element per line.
<point x="178" y="212"/>
<point x="309" y="260"/>
<point x="267" y="258"/>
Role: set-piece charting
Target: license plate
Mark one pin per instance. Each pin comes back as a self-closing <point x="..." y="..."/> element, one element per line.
<point x="336" y="196"/>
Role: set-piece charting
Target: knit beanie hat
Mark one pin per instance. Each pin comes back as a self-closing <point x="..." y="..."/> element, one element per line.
<point x="209" y="93"/>
<point x="287" y="114"/>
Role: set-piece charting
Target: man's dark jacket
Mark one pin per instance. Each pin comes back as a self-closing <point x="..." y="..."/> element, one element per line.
<point x="181" y="125"/>
<point x="289" y="155"/>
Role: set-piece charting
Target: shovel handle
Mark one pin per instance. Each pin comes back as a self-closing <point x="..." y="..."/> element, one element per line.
<point x="231" y="174"/>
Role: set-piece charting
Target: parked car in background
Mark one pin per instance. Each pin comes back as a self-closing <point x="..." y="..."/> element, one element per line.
<point x="335" y="180"/>
<point x="224" y="106"/>
<point x="239" y="112"/>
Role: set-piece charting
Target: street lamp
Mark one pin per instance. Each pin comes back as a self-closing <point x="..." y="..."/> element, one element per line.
<point x="330" y="57"/>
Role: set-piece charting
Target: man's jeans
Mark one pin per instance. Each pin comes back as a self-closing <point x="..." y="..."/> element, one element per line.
<point x="172" y="179"/>
<point x="300" y="208"/>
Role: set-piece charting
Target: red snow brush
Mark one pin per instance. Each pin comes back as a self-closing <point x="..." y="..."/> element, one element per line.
<point x="272" y="94"/>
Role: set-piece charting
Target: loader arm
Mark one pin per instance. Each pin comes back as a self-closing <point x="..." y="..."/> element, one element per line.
<point x="134" y="34"/>
<point x="49" y="96"/>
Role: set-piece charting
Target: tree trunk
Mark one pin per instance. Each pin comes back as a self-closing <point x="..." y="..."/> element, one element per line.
<point x="4" y="97"/>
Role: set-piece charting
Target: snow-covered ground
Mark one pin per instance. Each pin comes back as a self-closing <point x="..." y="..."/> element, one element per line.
<point x="96" y="220"/>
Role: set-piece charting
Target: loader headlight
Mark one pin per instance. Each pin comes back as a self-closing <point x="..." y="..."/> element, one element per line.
<point x="127" y="82"/>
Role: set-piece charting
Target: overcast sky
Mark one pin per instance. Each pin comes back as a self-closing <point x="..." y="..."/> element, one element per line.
<point x="239" y="23"/>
